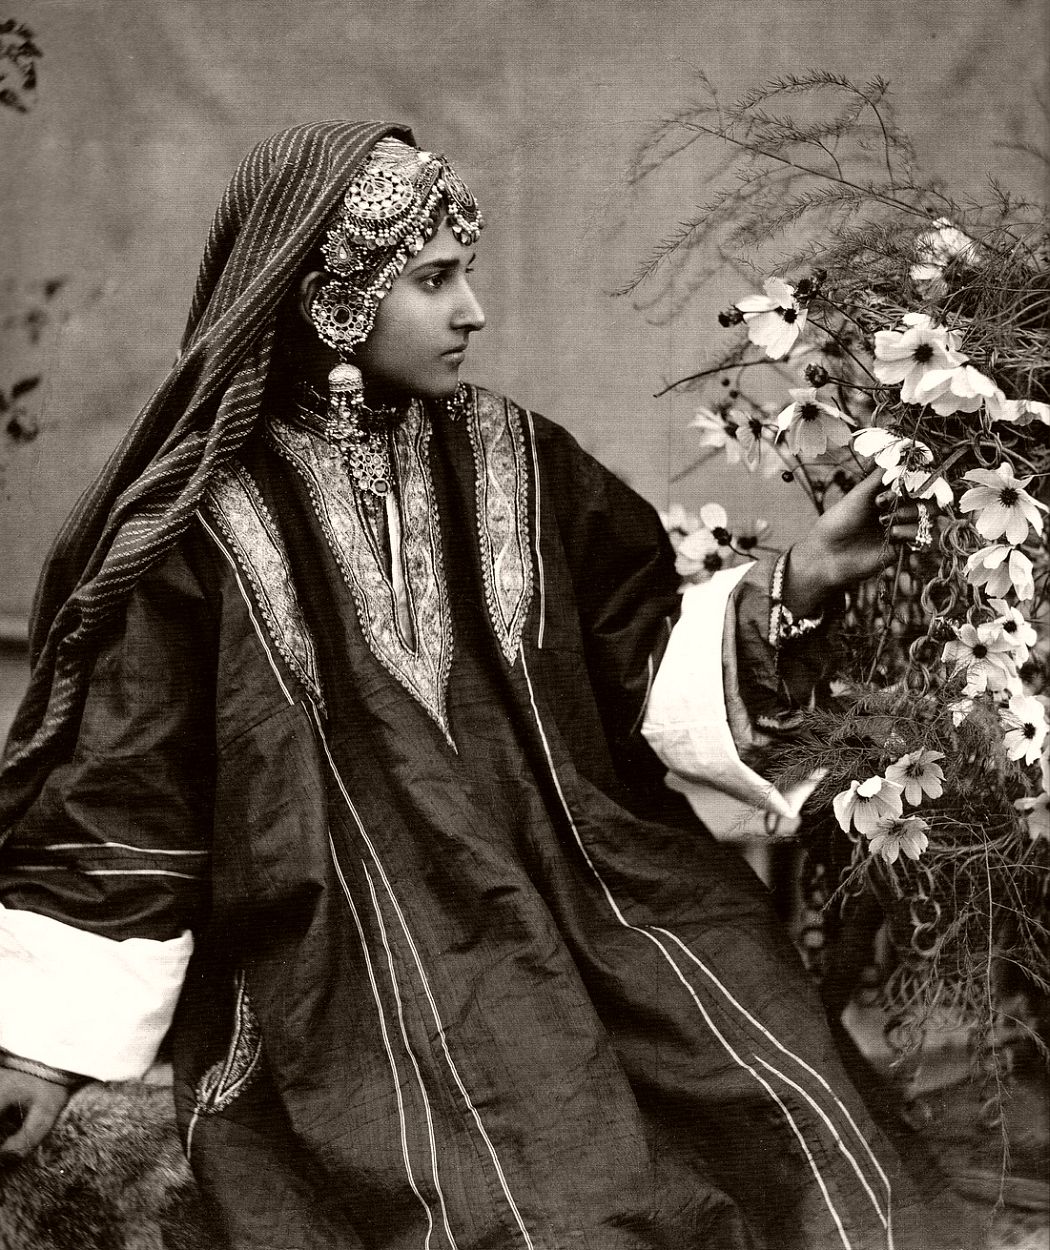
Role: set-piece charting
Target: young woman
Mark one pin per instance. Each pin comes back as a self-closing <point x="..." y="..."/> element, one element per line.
<point x="341" y="748"/>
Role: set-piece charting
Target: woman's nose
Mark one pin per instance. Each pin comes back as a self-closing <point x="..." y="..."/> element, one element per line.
<point x="470" y="315"/>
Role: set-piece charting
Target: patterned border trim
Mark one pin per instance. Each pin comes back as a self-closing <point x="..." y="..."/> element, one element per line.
<point x="236" y="503"/>
<point x="422" y="666"/>
<point x="502" y="487"/>
<point x="229" y="1076"/>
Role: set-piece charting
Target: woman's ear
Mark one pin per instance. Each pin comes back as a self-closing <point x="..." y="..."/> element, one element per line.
<point x="309" y="286"/>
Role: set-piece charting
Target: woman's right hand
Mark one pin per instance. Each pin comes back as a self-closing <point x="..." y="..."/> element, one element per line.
<point x="29" y="1106"/>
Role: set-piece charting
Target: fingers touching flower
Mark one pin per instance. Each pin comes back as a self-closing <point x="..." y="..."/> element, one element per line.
<point x="866" y="803"/>
<point x="774" y="320"/>
<point x="919" y="774"/>
<point x="1003" y="505"/>
<point x="907" y="357"/>
<point x="1020" y="632"/>
<point x="1001" y="568"/>
<point x="1024" y="720"/>
<point x="906" y="462"/>
<point x="983" y="653"/>
<point x="909" y="836"/>
<point x="811" y="426"/>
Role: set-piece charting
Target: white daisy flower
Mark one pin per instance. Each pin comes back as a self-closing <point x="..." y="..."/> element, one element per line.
<point x="919" y="774"/>
<point x="774" y="320"/>
<point x="1003" y="505"/>
<point x="906" y="357"/>
<point x="908" y="836"/>
<point x="1020" y="631"/>
<point x="983" y="653"/>
<point x="1024" y="719"/>
<point x="962" y="389"/>
<point x="811" y="426"/>
<point x="866" y="803"/>
<point x="1001" y="568"/>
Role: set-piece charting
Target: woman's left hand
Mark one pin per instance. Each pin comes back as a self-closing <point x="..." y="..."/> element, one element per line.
<point x="853" y="540"/>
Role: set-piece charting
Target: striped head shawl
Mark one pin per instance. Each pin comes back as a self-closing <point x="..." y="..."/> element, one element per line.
<point x="271" y="218"/>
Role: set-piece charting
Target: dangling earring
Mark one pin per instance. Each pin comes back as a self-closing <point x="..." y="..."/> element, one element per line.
<point x="342" y="320"/>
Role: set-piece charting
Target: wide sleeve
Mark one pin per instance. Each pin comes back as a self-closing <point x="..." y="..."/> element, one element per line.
<point x="104" y="878"/>
<point x="620" y="565"/>
<point x="729" y="687"/>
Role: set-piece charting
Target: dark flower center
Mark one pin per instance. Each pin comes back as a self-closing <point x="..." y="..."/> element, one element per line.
<point x="1008" y="497"/>
<point x="1028" y="731"/>
<point x="980" y="651"/>
<point x="1010" y="627"/>
<point x="808" y="412"/>
<point x="922" y="353"/>
<point x="721" y="536"/>
<point x="790" y="315"/>
<point x="755" y="426"/>
<point x="713" y="562"/>
<point x="915" y="769"/>
<point x="731" y="429"/>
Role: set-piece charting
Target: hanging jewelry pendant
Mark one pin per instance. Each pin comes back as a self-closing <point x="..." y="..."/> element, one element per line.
<point x="369" y="464"/>
<point x="363" y="442"/>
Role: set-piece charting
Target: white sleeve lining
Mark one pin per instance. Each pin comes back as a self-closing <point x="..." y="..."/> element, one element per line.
<point x="687" y="720"/>
<point x="82" y="1002"/>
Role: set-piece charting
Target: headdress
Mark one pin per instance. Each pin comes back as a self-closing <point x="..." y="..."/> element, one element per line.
<point x="394" y="204"/>
<point x="271" y="218"/>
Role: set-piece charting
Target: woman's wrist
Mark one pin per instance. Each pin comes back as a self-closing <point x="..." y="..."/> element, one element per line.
<point x="808" y="582"/>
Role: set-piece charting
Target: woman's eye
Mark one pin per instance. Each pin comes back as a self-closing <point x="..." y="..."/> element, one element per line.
<point x="435" y="281"/>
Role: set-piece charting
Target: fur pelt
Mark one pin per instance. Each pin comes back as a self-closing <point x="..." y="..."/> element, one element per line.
<point x="110" y="1176"/>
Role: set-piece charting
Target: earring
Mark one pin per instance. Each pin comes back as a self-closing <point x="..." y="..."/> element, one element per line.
<point x="342" y="319"/>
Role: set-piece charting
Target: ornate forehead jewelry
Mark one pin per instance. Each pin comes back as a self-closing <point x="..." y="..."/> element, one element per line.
<point x="392" y="207"/>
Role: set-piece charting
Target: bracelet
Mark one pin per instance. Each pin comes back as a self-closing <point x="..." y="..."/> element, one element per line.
<point x="784" y="626"/>
<point x="43" y="1071"/>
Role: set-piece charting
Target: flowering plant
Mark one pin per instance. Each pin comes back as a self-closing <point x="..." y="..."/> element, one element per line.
<point x="913" y="331"/>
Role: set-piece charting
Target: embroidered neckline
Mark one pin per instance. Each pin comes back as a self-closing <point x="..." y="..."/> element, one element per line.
<point x="501" y="484"/>
<point x="423" y="666"/>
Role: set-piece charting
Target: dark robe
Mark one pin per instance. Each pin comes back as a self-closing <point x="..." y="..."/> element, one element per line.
<point x="467" y="974"/>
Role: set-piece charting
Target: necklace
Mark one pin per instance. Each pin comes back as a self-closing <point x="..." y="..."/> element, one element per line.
<point x="361" y="433"/>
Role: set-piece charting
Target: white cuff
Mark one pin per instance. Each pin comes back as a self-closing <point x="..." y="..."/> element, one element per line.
<point x="82" y="1002"/>
<point x="686" y="721"/>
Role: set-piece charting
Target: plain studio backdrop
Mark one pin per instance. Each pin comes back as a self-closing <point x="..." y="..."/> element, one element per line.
<point x="143" y="109"/>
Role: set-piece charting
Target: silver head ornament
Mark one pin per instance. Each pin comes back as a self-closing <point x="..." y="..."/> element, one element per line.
<point x="391" y="209"/>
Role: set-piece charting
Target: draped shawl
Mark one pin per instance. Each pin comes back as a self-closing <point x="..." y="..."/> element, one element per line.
<point x="271" y="216"/>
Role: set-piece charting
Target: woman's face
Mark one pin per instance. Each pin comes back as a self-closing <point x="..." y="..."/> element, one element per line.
<point x="424" y="322"/>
